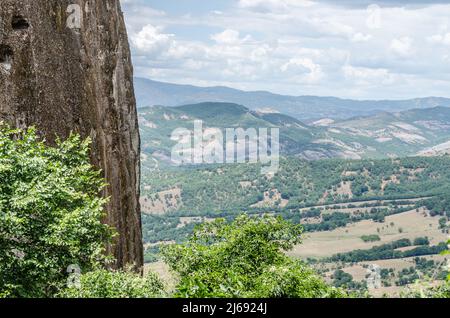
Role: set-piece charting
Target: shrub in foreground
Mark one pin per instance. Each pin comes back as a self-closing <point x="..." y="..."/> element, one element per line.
<point x="244" y="258"/>
<point x="115" y="284"/>
<point x="50" y="213"/>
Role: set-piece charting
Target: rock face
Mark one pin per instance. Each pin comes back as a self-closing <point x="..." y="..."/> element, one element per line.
<point x="65" y="66"/>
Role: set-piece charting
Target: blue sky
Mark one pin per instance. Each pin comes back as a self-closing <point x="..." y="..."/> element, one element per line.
<point x="354" y="49"/>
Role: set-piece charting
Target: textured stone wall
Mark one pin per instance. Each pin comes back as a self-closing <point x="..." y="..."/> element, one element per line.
<point x="65" y="74"/>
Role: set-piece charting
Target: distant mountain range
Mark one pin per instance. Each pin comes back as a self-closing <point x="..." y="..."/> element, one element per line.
<point x="383" y="135"/>
<point x="305" y="108"/>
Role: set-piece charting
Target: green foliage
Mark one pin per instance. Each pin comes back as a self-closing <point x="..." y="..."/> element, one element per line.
<point x="421" y="241"/>
<point x="341" y="278"/>
<point x="345" y="280"/>
<point x="425" y="289"/>
<point x="216" y="191"/>
<point x="447" y="252"/>
<point x="439" y="205"/>
<point x="387" y="251"/>
<point x="217" y="188"/>
<point x="151" y="254"/>
<point x="371" y="238"/>
<point x="407" y="276"/>
<point x="244" y="259"/>
<point x="50" y="213"/>
<point x="116" y="284"/>
<point x="443" y="223"/>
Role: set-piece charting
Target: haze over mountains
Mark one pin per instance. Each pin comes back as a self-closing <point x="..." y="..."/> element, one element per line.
<point x="305" y="108"/>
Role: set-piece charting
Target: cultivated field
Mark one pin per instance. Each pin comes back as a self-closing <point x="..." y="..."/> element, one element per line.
<point x="411" y="224"/>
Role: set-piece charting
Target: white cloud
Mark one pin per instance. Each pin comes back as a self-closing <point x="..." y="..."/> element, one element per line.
<point x="402" y="47"/>
<point x="295" y="47"/>
<point x="303" y="68"/>
<point x="360" y="37"/>
<point x="440" y="39"/>
<point x="152" y="40"/>
<point x="229" y="37"/>
<point x="367" y="76"/>
<point x="269" y="5"/>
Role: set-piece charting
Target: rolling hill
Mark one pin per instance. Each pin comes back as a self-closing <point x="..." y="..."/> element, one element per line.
<point x="384" y="135"/>
<point x="391" y="134"/>
<point x="158" y="122"/>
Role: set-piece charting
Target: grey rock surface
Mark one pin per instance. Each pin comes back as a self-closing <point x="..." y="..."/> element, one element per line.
<point x="63" y="72"/>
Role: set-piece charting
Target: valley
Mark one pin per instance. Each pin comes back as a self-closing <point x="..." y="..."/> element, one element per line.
<point x="370" y="190"/>
<point x="384" y="201"/>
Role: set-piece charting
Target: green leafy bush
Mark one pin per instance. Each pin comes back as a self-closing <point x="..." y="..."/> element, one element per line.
<point x="244" y="259"/>
<point x="370" y="238"/>
<point x="50" y="213"/>
<point x="118" y="284"/>
<point x="425" y="290"/>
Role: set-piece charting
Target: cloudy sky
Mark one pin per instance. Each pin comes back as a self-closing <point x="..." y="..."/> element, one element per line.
<point x="354" y="49"/>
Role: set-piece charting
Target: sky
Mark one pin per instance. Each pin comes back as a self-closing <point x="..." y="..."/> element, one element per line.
<point x="350" y="49"/>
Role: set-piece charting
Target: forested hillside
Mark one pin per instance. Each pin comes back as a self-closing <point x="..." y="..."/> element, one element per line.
<point x="353" y="211"/>
<point x="300" y="183"/>
<point x="385" y="135"/>
<point x="389" y="208"/>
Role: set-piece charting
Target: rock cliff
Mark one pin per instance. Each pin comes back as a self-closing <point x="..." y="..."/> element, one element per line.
<point x="65" y="66"/>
